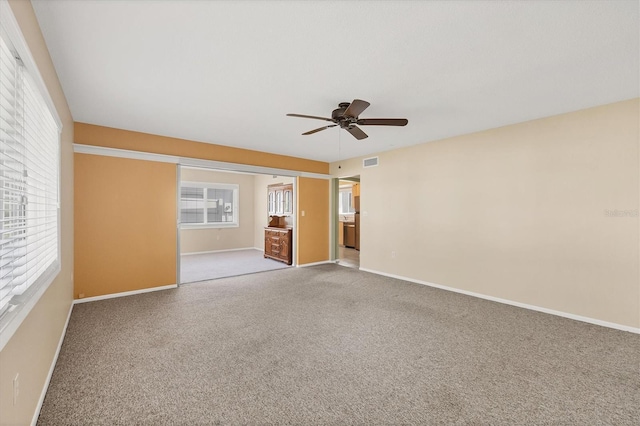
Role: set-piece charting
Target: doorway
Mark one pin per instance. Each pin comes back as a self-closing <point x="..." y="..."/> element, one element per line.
<point x="222" y="219"/>
<point x="347" y="207"/>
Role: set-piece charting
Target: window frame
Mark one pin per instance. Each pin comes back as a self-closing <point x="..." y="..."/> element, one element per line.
<point x="341" y="191"/>
<point x="215" y="186"/>
<point x="11" y="320"/>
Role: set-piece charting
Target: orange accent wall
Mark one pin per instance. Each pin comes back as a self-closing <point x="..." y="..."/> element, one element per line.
<point x="89" y="134"/>
<point x="125" y="225"/>
<point x="313" y="227"/>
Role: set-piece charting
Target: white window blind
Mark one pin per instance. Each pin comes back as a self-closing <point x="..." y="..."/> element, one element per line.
<point x="29" y="170"/>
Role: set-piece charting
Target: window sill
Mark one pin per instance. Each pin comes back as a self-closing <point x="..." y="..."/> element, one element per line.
<point x="209" y="225"/>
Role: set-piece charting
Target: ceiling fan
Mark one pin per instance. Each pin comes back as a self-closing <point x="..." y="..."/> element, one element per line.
<point x="347" y="116"/>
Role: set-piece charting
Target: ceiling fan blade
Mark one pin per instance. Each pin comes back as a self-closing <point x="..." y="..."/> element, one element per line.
<point x="310" y="132"/>
<point x="309" y="116"/>
<point x="383" y="122"/>
<point x="356" y="132"/>
<point x="356" y="108"/>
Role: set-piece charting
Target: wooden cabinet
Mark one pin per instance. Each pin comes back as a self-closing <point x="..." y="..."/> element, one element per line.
<point x="277" y="244"/>
<point x="280" y="199"/>
<point x="349" y="235"/>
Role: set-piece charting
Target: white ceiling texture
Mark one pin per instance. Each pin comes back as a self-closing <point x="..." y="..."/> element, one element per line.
<point x="227" y="72"/>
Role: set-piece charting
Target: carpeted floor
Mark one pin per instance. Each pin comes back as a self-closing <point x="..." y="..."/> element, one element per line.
<point x="210" y="266"/>
<point x="328" y="345"/>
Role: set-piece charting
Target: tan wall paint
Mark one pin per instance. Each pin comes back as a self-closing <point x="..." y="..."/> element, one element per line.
<point x="313" y="227"/>
<point x="516" y="212"/>
<point x="88" y="134"/>
<point x="212" y="239"/>
<point x="261" y="219"/>
<point x="125" y="224"/>
<point x="30" y="351"/>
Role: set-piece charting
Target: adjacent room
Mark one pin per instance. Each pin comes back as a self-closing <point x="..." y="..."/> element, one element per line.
<point x="318" y="213"/>
<point x="349" y="222"/>
<point x="223" y="216"/>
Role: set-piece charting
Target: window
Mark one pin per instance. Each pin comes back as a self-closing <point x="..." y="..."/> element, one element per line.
<point x="346" y="201"/>
<point x="209" y="205"/>
<point x="29" y="171"/>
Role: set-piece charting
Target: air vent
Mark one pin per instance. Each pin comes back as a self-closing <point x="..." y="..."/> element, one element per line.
<point x="370" y="162"/>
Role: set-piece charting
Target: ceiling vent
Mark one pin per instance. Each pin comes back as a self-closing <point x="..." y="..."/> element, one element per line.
<point x="370" y="162"/>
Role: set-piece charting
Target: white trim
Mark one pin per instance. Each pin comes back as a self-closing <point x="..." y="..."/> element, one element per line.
<point x="178" y="263"/>
<point x="237" y="167"/>
<point x="11" y="322"/>
<point x="14" y="32"/>
<point x="324" y="262"/>
<point x="235" y="172"/>
<point x="214" y="185"/>
<point x="34" y="420"/>
<point x="513" y="303"/>
<point x="210" y="225"/>
<point x="192" y="162"/>
<point x="124" y="153"/>
<point x="124" y="293"/>
<point x="219" y="251"/>
<point x="23" y="310"/>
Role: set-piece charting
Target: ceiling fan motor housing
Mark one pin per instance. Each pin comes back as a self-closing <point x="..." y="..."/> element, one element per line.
<point x="338" y="115"/>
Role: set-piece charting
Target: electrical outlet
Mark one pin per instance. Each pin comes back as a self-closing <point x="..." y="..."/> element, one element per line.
<point x="16" y="388"/>
<point x="393" y="254"/>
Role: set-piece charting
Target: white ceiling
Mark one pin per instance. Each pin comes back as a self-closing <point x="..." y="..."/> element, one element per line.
<point x="227" y="72"/>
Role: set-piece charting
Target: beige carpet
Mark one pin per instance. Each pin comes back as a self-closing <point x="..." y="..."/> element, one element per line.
<point x="210" y="266"/>
<point x="329" y="345"/>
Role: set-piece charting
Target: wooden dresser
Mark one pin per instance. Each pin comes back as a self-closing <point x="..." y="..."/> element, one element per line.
<point x="277" y="244"/>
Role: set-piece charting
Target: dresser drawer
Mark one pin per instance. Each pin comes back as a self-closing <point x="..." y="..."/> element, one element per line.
<point x="277" y="244"/>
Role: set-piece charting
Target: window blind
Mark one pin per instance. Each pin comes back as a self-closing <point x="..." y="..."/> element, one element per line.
<point x="209" y="204"/>
<point x="29" y="170"/>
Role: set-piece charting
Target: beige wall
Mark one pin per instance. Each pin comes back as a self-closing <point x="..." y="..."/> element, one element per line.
<point x="30" y="351"/>
<point x="517" y="212"/>
<point x="261" y="218"/>
<point x="213" y="239"/>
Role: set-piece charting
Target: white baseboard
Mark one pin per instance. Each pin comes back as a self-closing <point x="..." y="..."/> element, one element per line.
<point x="124" y="293"/>
<point x="34" y="420"/>
<point x="513" y="303"/>
<point x="218" y="251"/>
<point x="324" y="262"/>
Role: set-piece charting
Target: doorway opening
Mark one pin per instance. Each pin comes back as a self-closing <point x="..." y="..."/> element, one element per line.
<point x="347" y="208"/>
<point x="222" y="216"/>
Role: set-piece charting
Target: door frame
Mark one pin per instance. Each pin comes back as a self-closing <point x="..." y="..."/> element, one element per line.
<point x="240" y="169"/>
<point x="335" y="214"/>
